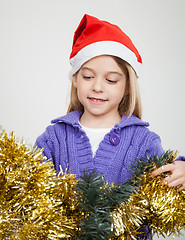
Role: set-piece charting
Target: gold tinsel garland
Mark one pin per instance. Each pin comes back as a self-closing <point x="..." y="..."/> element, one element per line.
<point x="155" y="205"/>
<point x="127" y="219"/>
<point x="165" y="206"/>
<point x="34" y="202"/>
<point x="37" y="204"/>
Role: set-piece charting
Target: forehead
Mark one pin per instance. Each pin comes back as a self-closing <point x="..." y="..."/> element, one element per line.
<point x="103" y="62"/>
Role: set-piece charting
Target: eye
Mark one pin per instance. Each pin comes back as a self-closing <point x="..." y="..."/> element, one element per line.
<point x="87" y="77"/>
<point x="111" y="81"/>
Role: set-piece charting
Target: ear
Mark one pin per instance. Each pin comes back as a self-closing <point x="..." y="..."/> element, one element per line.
<point x="74" y="80"/>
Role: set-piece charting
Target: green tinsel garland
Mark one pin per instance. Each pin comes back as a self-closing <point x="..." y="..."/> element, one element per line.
<point x="98" y="199"/>
<point x="94" y="203"/>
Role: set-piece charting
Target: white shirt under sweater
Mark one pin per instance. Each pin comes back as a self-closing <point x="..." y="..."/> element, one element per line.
<point x="95" y="135"/>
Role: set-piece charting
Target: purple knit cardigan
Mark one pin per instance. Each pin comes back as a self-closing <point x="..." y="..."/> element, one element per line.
<point x="67" y="145"/>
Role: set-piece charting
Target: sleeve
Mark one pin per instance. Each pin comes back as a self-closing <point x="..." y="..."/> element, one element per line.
<point x="180" y="158"/>
<point x="154" y="146"/>
<point x="53" y="143"/>
<point x="144" y="233"/>
<point x="44" y="142"/>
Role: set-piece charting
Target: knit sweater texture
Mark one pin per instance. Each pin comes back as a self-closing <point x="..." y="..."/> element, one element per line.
<point x="67" y="145"/>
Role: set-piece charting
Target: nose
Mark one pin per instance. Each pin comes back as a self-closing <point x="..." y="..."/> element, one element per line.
<point x="97" y="85"/>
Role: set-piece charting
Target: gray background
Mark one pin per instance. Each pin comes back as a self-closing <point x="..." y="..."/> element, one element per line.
<point x="35" y="43"/>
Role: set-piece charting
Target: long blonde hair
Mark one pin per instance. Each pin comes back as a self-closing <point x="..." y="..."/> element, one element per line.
<point x="130" y="103"/>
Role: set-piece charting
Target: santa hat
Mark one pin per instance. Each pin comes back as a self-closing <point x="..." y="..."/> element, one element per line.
<point x="95" y="37"/>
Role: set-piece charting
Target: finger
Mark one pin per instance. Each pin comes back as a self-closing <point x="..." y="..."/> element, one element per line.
<point x="168" y="179"/>
<point x="174" y="183"/>
<point x="155" y="173"/>
<point x="165" y="168"/>
<point x="181" y="188"/>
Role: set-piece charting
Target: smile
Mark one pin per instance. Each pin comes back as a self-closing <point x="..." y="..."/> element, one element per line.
<point x="98" y="100"/>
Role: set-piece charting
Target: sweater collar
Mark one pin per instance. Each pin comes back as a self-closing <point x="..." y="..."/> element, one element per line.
<point x="72" y="118"/>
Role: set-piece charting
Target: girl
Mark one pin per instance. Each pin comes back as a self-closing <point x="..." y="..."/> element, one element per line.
<point x="103" y="129"/>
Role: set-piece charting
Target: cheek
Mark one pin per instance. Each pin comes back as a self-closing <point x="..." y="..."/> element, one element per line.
<point x="118" y="92"/>
<point x="119" y="96"/>
<point x="122" y="90"/>
<point x="81" y="92"/>
<point x="83" y="87"/>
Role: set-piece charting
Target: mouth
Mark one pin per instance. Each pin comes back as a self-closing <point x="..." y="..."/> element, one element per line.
<point x="97" y="99"/>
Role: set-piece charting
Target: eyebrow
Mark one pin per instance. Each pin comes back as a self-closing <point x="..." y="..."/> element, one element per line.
<point x="109" y="72"/>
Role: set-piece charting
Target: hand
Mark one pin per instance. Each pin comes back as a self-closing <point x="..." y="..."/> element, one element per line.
<point x="177" y="177"/>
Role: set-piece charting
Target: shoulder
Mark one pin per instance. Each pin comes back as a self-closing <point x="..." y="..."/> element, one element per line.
<point x="138" y="130"/>
<point x="71" y="118"/>
<point x="142" y="139"/>
<point x="58" y="126"/>
<point x="131" y="121"/>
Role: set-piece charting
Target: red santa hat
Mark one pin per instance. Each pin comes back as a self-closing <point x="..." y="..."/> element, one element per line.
<point x="95" y="37"/>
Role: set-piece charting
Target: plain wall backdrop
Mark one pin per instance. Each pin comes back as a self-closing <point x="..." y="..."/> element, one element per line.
<point x="35" y="44"/>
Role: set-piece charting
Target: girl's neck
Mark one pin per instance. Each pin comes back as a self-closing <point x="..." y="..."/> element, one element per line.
<point x="94" y="121"/>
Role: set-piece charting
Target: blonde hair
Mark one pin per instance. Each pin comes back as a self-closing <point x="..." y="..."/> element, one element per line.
<point x="130" y="103"/>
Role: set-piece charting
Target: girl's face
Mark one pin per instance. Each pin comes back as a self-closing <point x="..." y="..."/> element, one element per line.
<point x="101" y="86"/>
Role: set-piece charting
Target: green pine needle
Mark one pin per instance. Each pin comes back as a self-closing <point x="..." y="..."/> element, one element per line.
<point x="97" y="224"/>
<point x="98" y="199"/>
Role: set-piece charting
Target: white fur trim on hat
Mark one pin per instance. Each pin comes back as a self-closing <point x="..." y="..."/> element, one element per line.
<point x="104" y="48"/>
